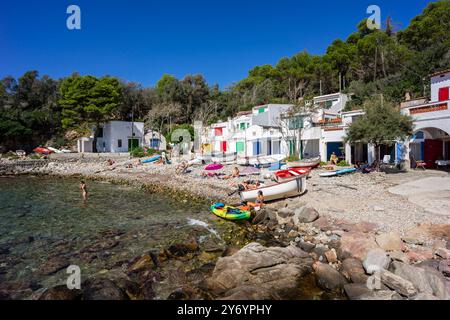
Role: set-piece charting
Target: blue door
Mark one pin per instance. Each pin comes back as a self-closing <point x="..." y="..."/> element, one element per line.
<point x="256" y="148"/>
<point x="335" y="147"/>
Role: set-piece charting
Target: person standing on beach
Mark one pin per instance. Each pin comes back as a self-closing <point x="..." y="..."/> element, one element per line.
<point x="84" y="192"/>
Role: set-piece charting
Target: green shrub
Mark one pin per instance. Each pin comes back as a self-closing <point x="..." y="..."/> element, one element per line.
<point x="11" y="155"/>
<point x="323" y="163"/>
<point x="143" y="152"/>
<point x="60" y="142"/>
<point x="138" y="153"/>
<point x="35" y="156"/>
<point x="343" y="163"/>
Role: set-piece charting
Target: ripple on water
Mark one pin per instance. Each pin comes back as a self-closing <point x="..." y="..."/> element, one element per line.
<point x="44" y="218"/>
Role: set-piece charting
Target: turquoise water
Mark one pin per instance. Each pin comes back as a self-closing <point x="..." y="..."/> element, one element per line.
<point x="43" y="218"/>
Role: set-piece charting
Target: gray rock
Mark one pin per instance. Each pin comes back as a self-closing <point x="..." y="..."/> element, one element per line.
<point x="443" y="253"/>
<point x="328" y="278"/>
<point x="425" y="280"/>
<point x="60" y="293"/>
<point x="102" y="289"/>
<point x="353" y="270"/>
<point x="397" y="283"/>
<point x="306" y="246"/>
<point x="425" y="296"/>
<point x="381" y="295"/>
<point x="399" y="256"/>
<point x="273" y="271"/>
<point x="376" y="260"/>
<point x="305" y="215"/>
<point x="355" y="291"/>
<point x="390" y="241"/>
<point x="444" y="267"/>
<point x="285" y="212"/>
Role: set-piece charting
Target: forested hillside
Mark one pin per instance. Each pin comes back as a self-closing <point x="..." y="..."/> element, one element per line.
<point x="34" y="108"/>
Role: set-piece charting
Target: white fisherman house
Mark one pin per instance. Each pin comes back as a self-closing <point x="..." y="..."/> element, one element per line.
<point x="322" y="131"/>
<point x="431" y="140"/>
<point x="115" y="137"/>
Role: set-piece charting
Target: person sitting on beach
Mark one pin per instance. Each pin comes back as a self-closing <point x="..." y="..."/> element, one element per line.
<point x="259" y="203"/>
<point x="251" y="184"/>
<point x="334" y="159"/>
<point x="83" y="188"/>
<point x="182" y="167"/>
<point x="234" y="174"/>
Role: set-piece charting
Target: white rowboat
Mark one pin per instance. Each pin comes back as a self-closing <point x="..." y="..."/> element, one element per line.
<point x="291" y="188"/>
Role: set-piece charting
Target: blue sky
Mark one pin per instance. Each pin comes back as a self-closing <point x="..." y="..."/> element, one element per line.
<point x="140" y="40"/>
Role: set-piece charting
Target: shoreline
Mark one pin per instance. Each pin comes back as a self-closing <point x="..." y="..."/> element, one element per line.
<point x="313" y="239"/>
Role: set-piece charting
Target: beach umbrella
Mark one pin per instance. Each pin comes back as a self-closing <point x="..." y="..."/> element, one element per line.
<point x="213" y="167"/>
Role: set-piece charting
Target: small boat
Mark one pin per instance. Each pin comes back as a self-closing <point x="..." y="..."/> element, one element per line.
<point x="305" y="163"/>
<point x="54" y="150"/>
<point x="285" y="189"/>
<point x="230" y="213"/>
<point x="213" y="167"/>
<point x="337" y="172"/>
<point x="226" y="158"/>
<point x="43" y="151"/>
<point x="152" y="159"/>
<point x="291" y="173"/>
<point x="249" y="171"/>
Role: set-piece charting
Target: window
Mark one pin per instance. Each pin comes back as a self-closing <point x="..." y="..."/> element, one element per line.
<point x="154" y="143"/>
<point x="218" y="132"/>
<point x="119" y="143"/>
<point x="444" y="94"/>
<point x="100" y="133"/>
<point x="242" y="126"/>
<point x="296" y="122"/>
<point x="261" y="110"/>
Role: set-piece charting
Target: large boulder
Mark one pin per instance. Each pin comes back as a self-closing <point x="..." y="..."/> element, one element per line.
<point x="425" y="280"/>
<point x="356" y="244"/>
<point x="390" y="241"/>
<point x="305" y="215"/>
<point x="60" y="293"/>
<point x="272" y="272"/>
<point x="359" y="291"/>
<point x="376" y="260"/>
<point x="397" y="283"/>
<point x="328" y="278"/>
<point x="102" y="289"/>
<point x="353" y="270"/>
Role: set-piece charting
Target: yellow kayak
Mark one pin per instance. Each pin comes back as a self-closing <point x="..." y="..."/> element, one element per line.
<point x="230" y="213"/>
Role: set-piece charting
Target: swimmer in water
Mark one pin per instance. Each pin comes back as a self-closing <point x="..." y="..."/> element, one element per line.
<point x="84" y="192"/>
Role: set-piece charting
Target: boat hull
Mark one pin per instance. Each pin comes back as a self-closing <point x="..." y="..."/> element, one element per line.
<point x="286" y="189"/>
<point x="309" y="163"/>
<point x="289" y="174"/>
<point x="236" y="213"/>
<point x="337" y="173"/>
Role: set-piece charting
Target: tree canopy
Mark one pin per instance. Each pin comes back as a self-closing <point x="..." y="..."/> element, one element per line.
<point x="34" y="109"/>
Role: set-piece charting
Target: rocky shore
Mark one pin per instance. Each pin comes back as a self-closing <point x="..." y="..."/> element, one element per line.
<point x="293" y="249"/>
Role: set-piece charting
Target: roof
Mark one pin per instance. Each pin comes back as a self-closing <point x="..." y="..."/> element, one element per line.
<point x="438" y="73"/>
<point x="243" y="113"/>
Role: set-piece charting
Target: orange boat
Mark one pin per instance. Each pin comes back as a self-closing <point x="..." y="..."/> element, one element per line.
<point x="42" y="150"/>
<point x="291" y="173"/>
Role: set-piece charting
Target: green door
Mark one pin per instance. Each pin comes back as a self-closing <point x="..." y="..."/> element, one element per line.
<point x="133" y="144"/>
<point x="240" y="146"/>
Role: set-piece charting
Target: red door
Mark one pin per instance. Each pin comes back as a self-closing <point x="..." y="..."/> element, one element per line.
<point x="432" y="151"/>
<point x="223" y="146"/>
<point x="444" y="94"/>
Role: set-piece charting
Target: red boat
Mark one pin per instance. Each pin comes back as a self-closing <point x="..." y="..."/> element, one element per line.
<point x="291" y="173"/>
<point x="42" y="150"/>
